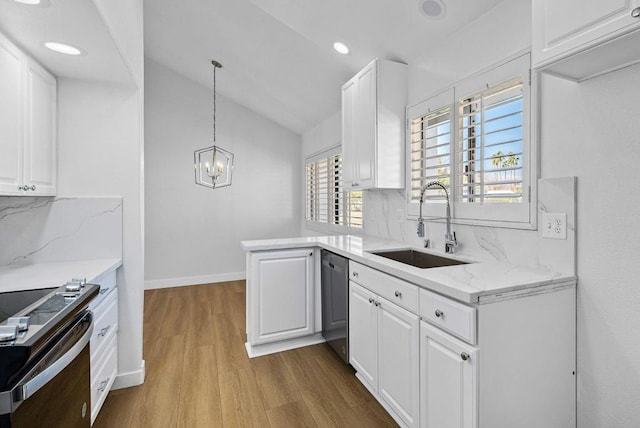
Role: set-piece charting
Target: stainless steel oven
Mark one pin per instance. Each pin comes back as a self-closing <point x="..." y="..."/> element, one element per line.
<point x="44" y="357"/>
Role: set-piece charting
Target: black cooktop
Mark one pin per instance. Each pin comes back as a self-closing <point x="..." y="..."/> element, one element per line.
<point x="15" y="301"/>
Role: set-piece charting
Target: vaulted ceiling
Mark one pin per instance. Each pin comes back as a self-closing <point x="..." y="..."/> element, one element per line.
<point x="278" y="56"/>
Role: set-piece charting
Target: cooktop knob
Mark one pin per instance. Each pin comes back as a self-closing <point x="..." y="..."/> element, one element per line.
<point x="21" y="322"/>
<point x="8" y="332"/>
<point x="72" y="286"/>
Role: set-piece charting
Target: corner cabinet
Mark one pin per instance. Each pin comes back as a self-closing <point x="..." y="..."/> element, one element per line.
<point x="373" y="107"/>
<point x="281" y="299"/>
<point x="28" y="165"/>
<point x="580" y="40"/>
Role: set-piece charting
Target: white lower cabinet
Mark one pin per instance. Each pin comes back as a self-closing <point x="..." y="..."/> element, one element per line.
<point x="506" y="361"/>
<point x="383" y="344"/>
<point x="448" y="380"/>
<point x="104" y="342"/>
<point x="280" y="295"/>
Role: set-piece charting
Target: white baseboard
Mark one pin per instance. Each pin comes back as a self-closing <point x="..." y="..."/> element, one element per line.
<point x="126" y="380"/>
<point x="193" y="280"/>
<point x="283" y="345"/>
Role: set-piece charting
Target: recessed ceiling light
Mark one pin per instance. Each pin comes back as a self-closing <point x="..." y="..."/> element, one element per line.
<point x="341" y="48"/>
<point x="41" y="3"/>
<point x="433" y="9"/>
<point x="63" y="48"/>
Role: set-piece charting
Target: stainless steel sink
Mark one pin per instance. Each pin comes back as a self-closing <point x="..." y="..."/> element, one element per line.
<point x="417" y="258"/>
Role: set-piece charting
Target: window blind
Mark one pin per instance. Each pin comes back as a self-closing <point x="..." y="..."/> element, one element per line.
<point x="430" y="152"/>
<point x="326" y="201"/>
<point x="489" y="163"/>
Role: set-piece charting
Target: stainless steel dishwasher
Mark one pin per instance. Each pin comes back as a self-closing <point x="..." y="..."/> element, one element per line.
<point x="335" y="306"/>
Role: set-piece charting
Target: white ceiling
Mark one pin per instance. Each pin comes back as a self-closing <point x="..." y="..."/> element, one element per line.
<point x="75" y="22"/>
<point x="277" y="55"/>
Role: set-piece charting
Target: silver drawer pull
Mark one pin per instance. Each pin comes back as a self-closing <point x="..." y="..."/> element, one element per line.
<point x="398" y="294"/>
<point x="635" y="13"/>
<point x="355" y="274"/>
<point x="104" y="330"/>
<point x="370" y="300"/>
<point x="439" y="313"/>
<point x="464" y="356"/>
<point x="104" y="290"/>
<point x="103" y="385"/>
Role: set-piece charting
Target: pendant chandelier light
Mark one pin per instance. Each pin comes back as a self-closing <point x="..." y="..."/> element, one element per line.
<point x="214" y="164"/>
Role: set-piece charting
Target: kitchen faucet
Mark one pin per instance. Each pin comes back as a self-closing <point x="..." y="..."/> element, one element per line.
<point x="450" y="241"/>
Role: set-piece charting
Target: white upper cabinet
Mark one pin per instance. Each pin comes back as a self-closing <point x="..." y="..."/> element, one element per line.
<point x="28" y="153"/>
<point x="600" y="32"/>
<point x="11" y="63"/>
<point x="373" y="104"/>
<point x="40" y="131"/>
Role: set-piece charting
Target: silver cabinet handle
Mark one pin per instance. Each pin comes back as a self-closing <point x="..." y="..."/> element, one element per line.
<point x="635" y="13"/>
<point x="104" y="290"/>
<point x="355" y="274"/>
<point x="104" y="330"/>
<point x="464" y="356"/>
<point x="33" y="187"/>
<point x="103" y="385"/>
<point x="376" y="303"/>
<point x="439" y="313"/>
<point x="370" y="300"/>
<point x="25" y="187"/>
<point x="398" y="294"/>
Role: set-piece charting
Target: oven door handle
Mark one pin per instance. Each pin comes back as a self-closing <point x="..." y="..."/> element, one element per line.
<point x="25" y="390"/>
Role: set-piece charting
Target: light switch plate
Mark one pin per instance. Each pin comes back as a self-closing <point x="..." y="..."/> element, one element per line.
<point x="554" y="225"/>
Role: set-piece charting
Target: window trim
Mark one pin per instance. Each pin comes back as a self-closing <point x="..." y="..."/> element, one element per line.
<point x="517" y="65"/>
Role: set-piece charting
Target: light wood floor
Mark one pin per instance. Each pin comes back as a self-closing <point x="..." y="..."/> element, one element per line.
<point x="199" y="375"/>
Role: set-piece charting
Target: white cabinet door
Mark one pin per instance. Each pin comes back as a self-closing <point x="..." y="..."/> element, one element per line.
<point x="373" y="104"/>
<point x="282" y="295"/>
<point x="11" y="127"/>
<point x="448" y="380"/>
<point x="40" y="169"/>
<point x="366" y="135"/>
<point x="363" y="333"/>
<point x="564" y="27"/>
<point x="398" y="380"/>
<point x="349" y="154"/>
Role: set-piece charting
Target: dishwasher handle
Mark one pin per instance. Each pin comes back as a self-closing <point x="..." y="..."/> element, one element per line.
<point x="46" y="370"/>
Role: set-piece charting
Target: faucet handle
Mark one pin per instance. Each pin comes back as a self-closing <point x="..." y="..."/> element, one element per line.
<point x="450" y="243"/>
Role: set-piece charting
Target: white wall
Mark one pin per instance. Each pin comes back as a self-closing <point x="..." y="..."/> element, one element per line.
<point x="99" y="154"/>
<point x="591" y="130"/>
<point x="193" y="233"/>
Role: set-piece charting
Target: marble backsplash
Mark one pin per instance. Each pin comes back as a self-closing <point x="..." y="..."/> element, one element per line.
<point x="522" y="247"/>
<point x="42" y="229"/>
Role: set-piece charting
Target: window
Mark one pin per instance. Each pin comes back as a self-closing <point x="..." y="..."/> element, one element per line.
<point x="490" y="145"/>
<point x="326" y="201"/>
<point x="474" y="139"/>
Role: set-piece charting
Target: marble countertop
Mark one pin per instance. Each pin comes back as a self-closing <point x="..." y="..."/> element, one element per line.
<point x="469" y="283"/>
<point x="46" y="275"/>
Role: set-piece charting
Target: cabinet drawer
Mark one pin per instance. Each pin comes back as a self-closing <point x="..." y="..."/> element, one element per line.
<point x="451" y="316"/>
<point x="107" y="283"/>
<point x="103" y="372"/>
<point x="391" y="288"/>
<point x="105" y="322"/>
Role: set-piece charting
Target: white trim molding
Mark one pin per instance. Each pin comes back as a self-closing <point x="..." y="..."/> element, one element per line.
<point x="126" y="380"/>
<point x="194" y="280"/>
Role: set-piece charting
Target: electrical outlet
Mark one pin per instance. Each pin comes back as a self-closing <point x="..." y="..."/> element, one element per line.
<point x="554" y="225"/>
<point x="400" y="215"/>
